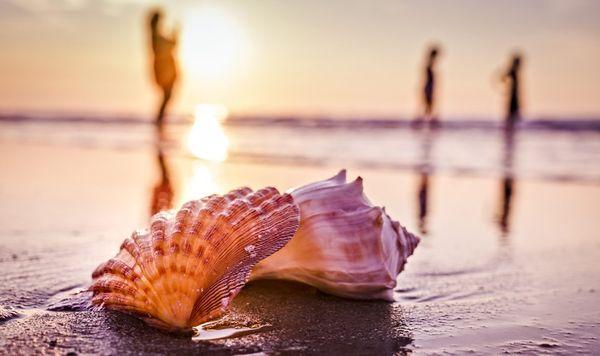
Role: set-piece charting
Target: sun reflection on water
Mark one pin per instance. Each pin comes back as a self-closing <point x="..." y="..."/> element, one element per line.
<point x="200" y="184"/>
<point x="206" y="139"/>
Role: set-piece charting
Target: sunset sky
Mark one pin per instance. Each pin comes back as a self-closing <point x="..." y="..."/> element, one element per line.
<point x="310" y="57"/>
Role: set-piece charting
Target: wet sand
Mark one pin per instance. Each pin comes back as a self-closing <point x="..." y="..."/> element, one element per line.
<point x="478" y="282"/>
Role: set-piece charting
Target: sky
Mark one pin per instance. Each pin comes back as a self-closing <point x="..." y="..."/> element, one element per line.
<point x="311" y="57"/>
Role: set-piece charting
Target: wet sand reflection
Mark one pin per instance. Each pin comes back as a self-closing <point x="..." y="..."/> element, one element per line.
<point x="507" y="183"/>
<point x="162" y="192"/>
<point x="424" y="169"/>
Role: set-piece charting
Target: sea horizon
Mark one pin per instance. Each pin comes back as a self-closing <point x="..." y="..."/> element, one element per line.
<point x="541" y="122"/>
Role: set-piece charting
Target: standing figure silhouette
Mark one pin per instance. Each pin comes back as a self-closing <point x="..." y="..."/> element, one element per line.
<point x="165" y="68"/>
<point x="429" y="86"/>
<point x="512" y="78"/>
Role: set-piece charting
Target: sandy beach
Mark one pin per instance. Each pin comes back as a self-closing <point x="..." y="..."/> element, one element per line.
<point x="475" y="284"/>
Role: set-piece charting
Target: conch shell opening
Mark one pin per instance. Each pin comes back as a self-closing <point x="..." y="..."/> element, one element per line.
<point x="186" y="268"/>
<point x="345" y="245"/>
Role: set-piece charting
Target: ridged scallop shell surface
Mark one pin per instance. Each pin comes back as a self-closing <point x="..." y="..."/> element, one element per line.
<point x="187" y="266"/>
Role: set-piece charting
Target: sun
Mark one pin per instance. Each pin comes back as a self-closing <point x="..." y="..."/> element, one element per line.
<point x="211" y="44"/>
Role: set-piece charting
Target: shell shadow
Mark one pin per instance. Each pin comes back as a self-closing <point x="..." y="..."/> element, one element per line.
<point x="301" y="320"/>
<point x="306" y="320"/>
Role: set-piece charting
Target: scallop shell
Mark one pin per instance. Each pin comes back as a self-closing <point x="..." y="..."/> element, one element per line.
<point x="345" y="245"/>
<point x="186" y="268"/>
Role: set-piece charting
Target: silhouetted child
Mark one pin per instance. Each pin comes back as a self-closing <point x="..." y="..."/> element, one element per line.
<point x="511" y="76"/>
<point x="165" y="68"/>
<point x="429" y="86"/>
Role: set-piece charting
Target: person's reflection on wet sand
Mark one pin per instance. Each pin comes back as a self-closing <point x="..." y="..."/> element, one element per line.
<point x="162" y="193"/>
<point x="429" y="88"/>
<point x="422" y="196"/>
<point x="424" y="169"/>
<point x="513" y="103"/>
<point x="164" y="64"/>
<point x="507" y="192"/>
<point x="507" y="184"/>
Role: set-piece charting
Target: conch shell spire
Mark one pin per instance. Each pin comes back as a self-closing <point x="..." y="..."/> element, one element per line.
<point x="345" y="245"/>
<point x="186" y="268"/>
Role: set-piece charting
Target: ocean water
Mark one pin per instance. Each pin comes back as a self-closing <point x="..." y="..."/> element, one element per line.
<point x="566" y="150"/>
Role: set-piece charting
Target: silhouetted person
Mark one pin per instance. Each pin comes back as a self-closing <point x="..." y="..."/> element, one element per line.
<point x="512" y="78"/>
<point x="165" y="68"/>
<point x="162" y="193"/>
<point x="507" y="184"/>
<point x="429" y="86"/>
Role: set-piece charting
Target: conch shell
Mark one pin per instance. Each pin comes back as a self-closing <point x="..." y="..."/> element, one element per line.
<point x="187" y="267"/>
<point x="345" y="246"/>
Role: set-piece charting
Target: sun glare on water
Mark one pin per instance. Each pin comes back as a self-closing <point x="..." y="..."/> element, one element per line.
<point x="206" y="139"/>
<point x="200" y="183"/>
